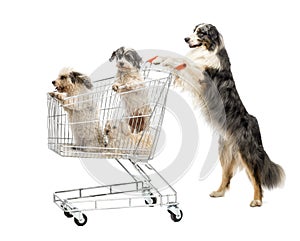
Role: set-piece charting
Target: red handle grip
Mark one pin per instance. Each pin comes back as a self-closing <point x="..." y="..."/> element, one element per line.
<point x="180" y="67"/>
<point x="151" y="60"/>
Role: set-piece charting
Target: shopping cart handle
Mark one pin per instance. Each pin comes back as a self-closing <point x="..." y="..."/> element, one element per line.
<point x="180" y="67"/>
<point x="151" y="60"/>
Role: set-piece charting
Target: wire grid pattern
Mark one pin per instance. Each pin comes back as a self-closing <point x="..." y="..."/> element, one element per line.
<point x="95" y="125"/>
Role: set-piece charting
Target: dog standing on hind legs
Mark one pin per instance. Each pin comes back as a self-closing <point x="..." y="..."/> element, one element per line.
<point x="208" y="77"/>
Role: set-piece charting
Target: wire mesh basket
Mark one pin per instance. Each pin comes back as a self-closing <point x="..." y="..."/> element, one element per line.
<point x="109" y="122"/>
<point x="99" y="124"/>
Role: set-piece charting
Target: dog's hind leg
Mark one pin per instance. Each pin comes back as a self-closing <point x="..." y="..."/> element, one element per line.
<point x="229" y="164"/>
<point x="253" y="156"/>
<point x="255" y="180"/>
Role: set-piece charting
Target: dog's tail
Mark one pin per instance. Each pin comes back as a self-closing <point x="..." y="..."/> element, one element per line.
<point x="272" y="174"/>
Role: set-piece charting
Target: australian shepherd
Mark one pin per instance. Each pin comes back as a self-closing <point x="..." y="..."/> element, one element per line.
<point x="208" y="77"/>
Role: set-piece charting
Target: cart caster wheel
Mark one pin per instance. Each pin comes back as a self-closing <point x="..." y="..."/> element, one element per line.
<point x="153" y="201"/>
<point x="176" y="217"/>
<point x="68" y="215"/>
<point x="81" y="222"/>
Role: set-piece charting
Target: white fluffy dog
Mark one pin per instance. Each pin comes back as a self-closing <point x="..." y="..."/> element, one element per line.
<point x="74" y="92"/>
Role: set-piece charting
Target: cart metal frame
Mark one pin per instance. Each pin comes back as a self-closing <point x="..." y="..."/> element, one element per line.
<point x="140" y="192"/>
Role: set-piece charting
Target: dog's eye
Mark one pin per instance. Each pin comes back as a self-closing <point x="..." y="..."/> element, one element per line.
<point x="200" y="33"/>
<point x="63" y="77"/>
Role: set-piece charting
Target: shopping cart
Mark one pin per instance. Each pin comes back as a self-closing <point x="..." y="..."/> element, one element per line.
<point x="104" y="119"/>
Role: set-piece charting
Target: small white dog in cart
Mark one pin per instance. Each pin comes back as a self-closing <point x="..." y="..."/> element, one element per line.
<point x="74" y="93"/>
<point x="129" y="83"/>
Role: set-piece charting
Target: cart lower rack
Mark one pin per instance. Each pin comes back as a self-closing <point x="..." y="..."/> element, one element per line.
<point x="102" y="116"/>
<point x="139" y="193"/>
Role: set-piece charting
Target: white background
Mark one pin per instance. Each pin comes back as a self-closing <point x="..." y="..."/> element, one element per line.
<point x="38" y="38"/>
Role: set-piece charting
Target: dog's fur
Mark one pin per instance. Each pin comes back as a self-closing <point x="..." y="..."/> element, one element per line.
<point x="73" y="91"/>
<point x="208" y="76"/>
<point x="120" y="139"/>
<point x="129" y="83"/>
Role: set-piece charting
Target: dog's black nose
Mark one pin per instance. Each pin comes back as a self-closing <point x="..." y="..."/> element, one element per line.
<point x="53" y="82"/>
<point x="187" y="39"/>
<point x="121" y="64"/>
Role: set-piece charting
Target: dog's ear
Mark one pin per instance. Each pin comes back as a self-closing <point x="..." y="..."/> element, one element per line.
<point x="87" y="82"/>
<point x="73" y="76"/>
<point x="81" y="78"/>
<point x="113" y="55"/>
<point x="213" y="37"/>
<point x="137" y="60"/>
<point x="213" y="32"/>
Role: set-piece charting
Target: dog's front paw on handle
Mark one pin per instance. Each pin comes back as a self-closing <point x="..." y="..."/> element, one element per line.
<point x="115" y="87"/>
<point x="52" y="94"/>
<point x="57" y="95"/>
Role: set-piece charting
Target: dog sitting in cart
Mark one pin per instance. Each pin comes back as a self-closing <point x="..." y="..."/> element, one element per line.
<point x="74" y="92"/>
